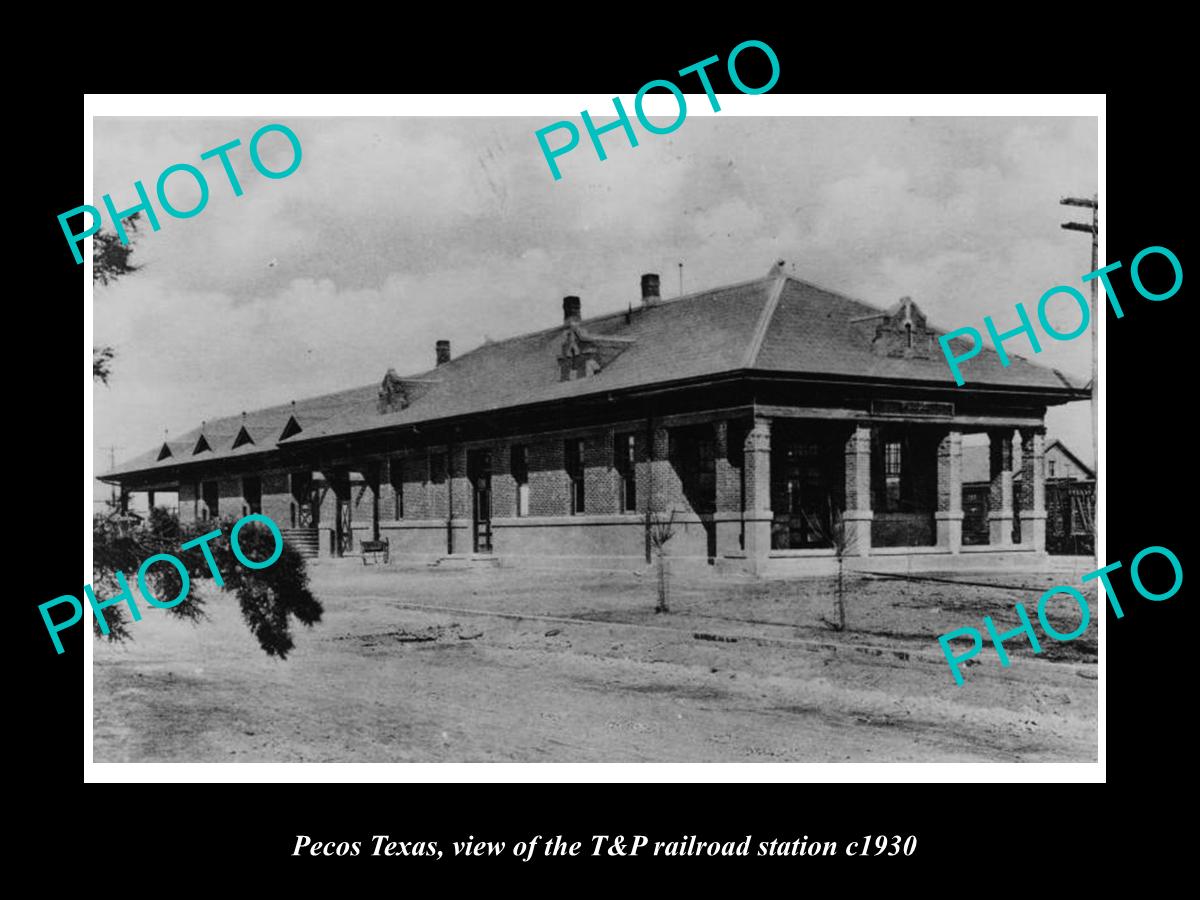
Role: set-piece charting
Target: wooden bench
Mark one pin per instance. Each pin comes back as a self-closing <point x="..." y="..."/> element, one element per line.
<point x="374" y="549"/>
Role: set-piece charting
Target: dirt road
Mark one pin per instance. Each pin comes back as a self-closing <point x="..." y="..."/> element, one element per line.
<point x="425" y="665"/>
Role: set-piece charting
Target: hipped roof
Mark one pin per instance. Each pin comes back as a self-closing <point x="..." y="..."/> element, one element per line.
<point x="776" y="324"/>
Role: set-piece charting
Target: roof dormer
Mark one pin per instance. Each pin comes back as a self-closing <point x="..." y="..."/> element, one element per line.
<point x="584" y="354"/>
<point x="901" y="332"/>
<point x="393" y="395"/>
<point x="290" y="429"/>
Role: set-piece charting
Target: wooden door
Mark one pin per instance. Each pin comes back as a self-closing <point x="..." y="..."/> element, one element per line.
<point x="480" y="469"/>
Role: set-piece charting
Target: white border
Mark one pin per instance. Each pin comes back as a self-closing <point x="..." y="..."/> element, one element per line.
<point x="275" y="106"/>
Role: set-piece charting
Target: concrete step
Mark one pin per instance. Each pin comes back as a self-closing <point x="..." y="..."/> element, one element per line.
<point x="466" y="561"/>
<point x="305" y="540"/>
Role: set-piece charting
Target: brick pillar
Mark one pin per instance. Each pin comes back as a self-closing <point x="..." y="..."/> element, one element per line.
<point x="1033" y="475"/>
<point x="1000" y="516"/>
<point x="858" y="515"/>
<point x="277" y="499"/>
<point x="662" y="476"/>
<point x="458" y="501"/>
<point x="373" y="473"/>
<point x="756" y="502"/>
<point x="328" y="513"/>
<point x="187" y="501"/>
<point x="230" y="499"/>
<point x="949" y="513"/>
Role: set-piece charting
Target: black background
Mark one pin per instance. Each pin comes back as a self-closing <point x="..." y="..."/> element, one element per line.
<point x="969" y="834"/>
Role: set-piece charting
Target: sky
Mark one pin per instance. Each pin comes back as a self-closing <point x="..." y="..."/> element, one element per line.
<point x="396" y="232"/>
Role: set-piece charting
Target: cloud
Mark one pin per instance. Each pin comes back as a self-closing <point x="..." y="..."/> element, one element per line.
<point x="394" y="233"/>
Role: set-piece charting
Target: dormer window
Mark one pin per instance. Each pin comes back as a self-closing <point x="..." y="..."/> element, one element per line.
<point x="584" y="354"/>
<point x="901" y="332"/>
<point x="393" y="395"/>
<point x="292" y="427"/>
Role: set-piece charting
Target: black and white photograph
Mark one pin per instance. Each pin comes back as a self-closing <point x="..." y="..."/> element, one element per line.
<point x="694" y="454"/>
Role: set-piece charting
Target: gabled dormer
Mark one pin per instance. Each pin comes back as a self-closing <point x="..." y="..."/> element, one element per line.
<point x="202" y="445"/>
<point x="902" y="333"/>
<point x="243" y="437"/>
<point x="584" y="354"/>
<point x="290" y="429"/>
<point x="164" y="452"/>
<point x="393" y="395"/>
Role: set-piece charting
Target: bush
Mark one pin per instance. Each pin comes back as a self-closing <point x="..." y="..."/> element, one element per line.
<point x="269" y="598"/>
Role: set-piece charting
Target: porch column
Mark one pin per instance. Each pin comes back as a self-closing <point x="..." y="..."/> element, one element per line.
<point x="949" y="513"/>
<point x="187" y="501"/>
<point x="373" y="474"/>
<point x="1000" y="516"/>
<point x="858" y="514"/>
<point x="1033" y="475"/>
<point x="756" y="501"/>
<point x="728" y="505"/>
<point x="458" y="502"/>
<point x="329" y="511"/>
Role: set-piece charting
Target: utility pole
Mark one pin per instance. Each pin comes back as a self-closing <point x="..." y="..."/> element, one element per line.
<point x="112" y="464"/>
<point x="680" y="279"/>
<point x="1094" y="230"/>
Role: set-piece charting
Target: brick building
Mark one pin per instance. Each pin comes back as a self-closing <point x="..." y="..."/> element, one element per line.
<point x="757" y="414"/>
<point x="1068" y="492"/>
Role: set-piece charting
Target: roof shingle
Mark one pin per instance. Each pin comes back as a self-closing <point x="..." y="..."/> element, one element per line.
<point x="773" y="324"/>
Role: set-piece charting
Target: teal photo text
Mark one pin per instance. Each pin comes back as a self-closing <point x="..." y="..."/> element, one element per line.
<point x="184" y="172"/>
<point x="961" y="351"/>
<point x="974" y="638"/>
<point x="126" y="595"/>
<point x="568" y="140"/>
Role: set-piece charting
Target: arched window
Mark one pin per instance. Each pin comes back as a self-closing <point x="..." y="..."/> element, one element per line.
<point x="908" y="333"/>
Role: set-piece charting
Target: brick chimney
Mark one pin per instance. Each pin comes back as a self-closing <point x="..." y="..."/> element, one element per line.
<point x="650" y="294"/>
<point x="572" y="310"/>
<point x="443" y="352"/>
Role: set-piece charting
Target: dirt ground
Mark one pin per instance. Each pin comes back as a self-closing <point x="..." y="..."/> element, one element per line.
<point x="420" y="664"/>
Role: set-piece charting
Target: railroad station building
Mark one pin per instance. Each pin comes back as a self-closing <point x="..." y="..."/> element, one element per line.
<point x="768" y="421"/>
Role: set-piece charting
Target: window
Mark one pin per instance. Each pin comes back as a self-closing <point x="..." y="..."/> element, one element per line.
<point x="437" y="468"/>
<point x="625" y="462"/>
<point x="520" y="474"/>
<point x="908" y="333"/>
<point x="893" y="457"/>
<point x="692" y="451"/>
<point x="252" y="494"/>
<point x="1051" y="465"/>
<point x="396" y="475"/>
<point x="573" y="452"/>
<point x="211" y="508"/>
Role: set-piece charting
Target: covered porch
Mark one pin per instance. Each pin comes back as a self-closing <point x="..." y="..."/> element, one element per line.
<point x="814" y="487"/>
